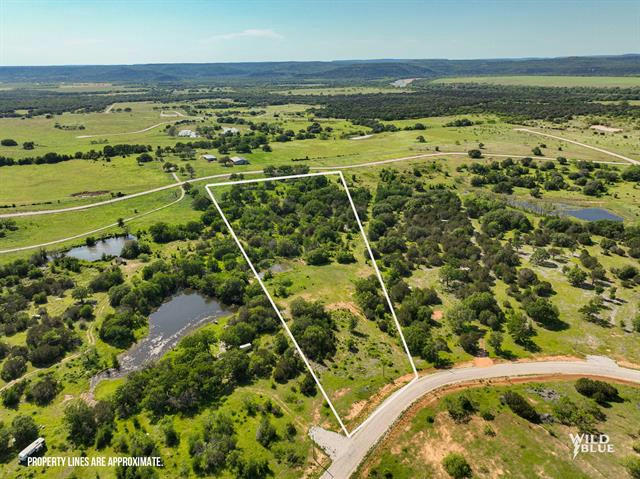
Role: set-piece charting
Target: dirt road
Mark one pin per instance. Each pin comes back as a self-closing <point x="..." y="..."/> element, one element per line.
<point x="97" y="230"/>
<point x="440" y="154"/>
<point x="348" y="453"/>
<point x="601" y="150"/>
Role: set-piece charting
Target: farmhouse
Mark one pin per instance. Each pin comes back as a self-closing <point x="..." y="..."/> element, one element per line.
<point x="209" y="157"/>
<point x="239" y="160"/>
<point x="187" y="133"/>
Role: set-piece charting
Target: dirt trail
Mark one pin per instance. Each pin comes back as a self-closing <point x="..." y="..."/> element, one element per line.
<point x="97" y="230"/>
<point x="601" y="150"/>
<point x="441" y="154"/>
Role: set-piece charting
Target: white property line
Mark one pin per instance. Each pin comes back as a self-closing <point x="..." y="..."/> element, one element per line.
<point x="273" y="304"/>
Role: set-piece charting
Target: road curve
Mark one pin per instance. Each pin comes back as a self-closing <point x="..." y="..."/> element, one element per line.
<point x="259" y="172"/>
<point x="127" y="132"/>
<point x="601" y="150"/>
<point x="348" y="453"/>
<point x="97" y="230"/>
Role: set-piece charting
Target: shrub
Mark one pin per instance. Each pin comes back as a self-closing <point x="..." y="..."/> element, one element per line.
<point x="597" y="390"/>
<point x="13" y="368"/>
<point x="345" y="257"/>
<point x="520" y="406"/>
<point x="633" y="467"/>
<point x="43" y="392"/>
<point x="24" y="431"/>
<point x="318" y="257"/>
<point x="475" y="154"/>
<point x="459" y="408"/>
<point x="456" y="466"/>
<point x="266" y="433"/>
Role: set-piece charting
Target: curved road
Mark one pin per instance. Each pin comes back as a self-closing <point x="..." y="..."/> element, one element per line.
<point x="127" y="132"/>
<point x="606" y="152"/>
<point x="87" y="233"/>
<point x="258" y="172"/>
<point x="348" y="453"/>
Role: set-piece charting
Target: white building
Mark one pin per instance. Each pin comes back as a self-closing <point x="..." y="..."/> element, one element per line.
<point x="32" y="449"/>
<point x="226" y="129"/>
<point x="209" y="157"/>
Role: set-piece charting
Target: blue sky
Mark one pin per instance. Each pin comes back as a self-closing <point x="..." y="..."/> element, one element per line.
<point x="54" y="32"/>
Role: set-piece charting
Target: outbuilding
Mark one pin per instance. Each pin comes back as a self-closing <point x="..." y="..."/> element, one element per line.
<point x="239" y="160"/>
<point x="33" y="449"/>
<point x="209" y="157"/>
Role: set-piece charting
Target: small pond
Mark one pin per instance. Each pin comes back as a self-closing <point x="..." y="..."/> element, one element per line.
<point x="108" y="247"/>
<point x="561" y="209"/>
<point x="592" y="214"/>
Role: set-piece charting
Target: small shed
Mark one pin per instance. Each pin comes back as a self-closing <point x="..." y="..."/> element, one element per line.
<point x="209" y="157"/>
<point x="239" y="160"/>
<point x="245" y="347"/>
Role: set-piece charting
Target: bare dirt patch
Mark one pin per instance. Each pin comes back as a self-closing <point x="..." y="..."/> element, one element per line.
<point x="352" y="308"/>
<point x="437" y="315"/>
<point x="482" y="362"/>
<point x="604" y="128"/>
<point x="365" y="407"/>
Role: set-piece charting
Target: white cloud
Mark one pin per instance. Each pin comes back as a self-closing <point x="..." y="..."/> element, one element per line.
<point x="249" y="33"/>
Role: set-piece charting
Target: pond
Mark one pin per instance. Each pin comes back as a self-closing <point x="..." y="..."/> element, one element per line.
<point x="561" y="209"/>
<point x="172" y="321"/>
<point x="108" y="247"/>
<point x="592" y="214"/>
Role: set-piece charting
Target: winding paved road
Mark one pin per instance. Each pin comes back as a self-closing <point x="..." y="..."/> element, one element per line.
<point x="348" y="453"/>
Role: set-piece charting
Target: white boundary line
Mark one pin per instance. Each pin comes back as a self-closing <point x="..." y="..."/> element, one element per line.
<point x="273" y="304"/>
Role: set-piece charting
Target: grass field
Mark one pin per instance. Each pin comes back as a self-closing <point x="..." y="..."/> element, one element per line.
<point x="55" y="183"/>
<point x="550" y="81"/>
<point x="507" y="446"/>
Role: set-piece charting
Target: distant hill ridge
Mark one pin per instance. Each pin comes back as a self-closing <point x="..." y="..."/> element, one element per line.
<point x="618" y="65"/>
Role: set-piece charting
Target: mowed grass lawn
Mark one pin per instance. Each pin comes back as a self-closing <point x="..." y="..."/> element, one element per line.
<point x="507" y="446"/>
<point x="550" y="80"/>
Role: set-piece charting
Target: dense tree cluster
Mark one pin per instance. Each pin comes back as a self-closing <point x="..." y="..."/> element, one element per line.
<point x="592" y="179"/>
<point x="109" y="151"/>
<point x="516" y="102"/>
<point x="309" y="217"/>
